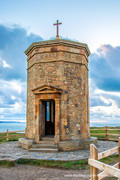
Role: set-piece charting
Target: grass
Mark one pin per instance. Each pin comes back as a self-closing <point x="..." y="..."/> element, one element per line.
<point x="110" y="159"/>
<point x="12" y="137"/>
<point x="7" y="163"/>
<point x="114" y="131"/>
<point x="81" y="164"/>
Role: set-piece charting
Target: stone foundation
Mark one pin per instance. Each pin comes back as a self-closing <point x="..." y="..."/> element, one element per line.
<point x="77" y="144"/>
<point x="62" y="145"/>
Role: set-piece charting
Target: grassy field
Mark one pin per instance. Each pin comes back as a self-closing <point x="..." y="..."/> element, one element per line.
<point x="12" y="137"/>
<point x="114" y="131"/>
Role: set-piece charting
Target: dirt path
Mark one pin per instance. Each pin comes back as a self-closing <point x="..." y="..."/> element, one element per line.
<point x="26" y="172"/>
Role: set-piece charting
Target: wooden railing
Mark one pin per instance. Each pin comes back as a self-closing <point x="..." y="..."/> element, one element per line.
<point x="8" y="134"/>
<point x="107" y="169"/>
<point x="107" y="135"/>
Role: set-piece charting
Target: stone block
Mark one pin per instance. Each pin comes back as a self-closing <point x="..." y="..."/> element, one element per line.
<point x="77" y="144"/>
<point x="25" y="143"/>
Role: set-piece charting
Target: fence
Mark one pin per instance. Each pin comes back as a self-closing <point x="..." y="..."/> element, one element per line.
<point x="107" y="169"/>
<point x="106" y="133"/>
<point x="108" y="136"/>
<point x="8" y="134"/>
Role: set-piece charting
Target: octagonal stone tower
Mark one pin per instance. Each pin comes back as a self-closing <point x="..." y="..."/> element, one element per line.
<point x="58" y="94"/>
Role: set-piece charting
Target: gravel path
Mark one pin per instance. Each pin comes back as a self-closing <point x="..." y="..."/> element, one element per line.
<point x="25" y="172"/>
<point x="11" y="151"/>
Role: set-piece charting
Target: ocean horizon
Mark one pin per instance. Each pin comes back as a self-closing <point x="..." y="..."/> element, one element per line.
<point x="16" y="126"/>
<point x="12" y="126"/>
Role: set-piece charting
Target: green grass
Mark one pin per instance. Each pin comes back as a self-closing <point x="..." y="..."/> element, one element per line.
<point x="78" y="164"/>
<point x="7" y="163"/>
<point x="15" y="138"/>
<point x="82" y="164"/>
<point x="110" y="160"/>
<point x="103" y="131"/>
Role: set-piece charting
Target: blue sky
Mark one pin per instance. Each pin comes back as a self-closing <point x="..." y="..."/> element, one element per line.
<point x="95" y="22"/>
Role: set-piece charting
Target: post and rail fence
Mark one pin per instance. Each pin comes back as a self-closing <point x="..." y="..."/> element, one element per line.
<point x="106" y="135"/>
<point x="11" y="134"/>
<point x="106" y="169"/>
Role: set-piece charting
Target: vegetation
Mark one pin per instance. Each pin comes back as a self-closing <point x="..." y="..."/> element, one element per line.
<point x="12" y="136"/>
<point x="78" y="164"/>
<point x="97" y="132"/>
<point x="7" y="163"/>
<point x="82" y="164"/>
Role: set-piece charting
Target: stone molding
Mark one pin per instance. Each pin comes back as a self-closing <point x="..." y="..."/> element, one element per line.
<point x="58" y="41"/>
<point x="45" y="89"/>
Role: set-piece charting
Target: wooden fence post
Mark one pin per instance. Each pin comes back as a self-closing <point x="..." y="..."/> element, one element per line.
<point x="7" y="138"/>
<point x="93" y="155"/>
<point x="119" y="151"/>
<point x="107" y="135"/>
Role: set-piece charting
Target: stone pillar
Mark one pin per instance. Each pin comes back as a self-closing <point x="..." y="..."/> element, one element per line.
<point x="57" y="121"/>
<point x="37" y="121"/>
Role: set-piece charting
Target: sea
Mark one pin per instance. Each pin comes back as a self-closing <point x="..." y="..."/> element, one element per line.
<point x="12" y="126"/>
<point x="16" y="126"/>
<point x="103" y="124"/>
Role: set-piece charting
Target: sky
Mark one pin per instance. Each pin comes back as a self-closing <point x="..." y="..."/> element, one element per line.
<point x="95" y="22"/>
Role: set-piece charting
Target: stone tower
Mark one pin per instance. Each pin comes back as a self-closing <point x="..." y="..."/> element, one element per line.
<point x="58" y="94"/>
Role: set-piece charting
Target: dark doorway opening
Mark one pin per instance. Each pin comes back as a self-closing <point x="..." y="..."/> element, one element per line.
<point x="50" y="117"/>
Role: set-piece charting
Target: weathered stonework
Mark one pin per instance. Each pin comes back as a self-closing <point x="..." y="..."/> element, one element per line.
<point x="58" y="70"/>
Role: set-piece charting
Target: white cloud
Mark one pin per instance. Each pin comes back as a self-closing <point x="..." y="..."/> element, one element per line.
<point x="13" y="97"/>
<point x="104" y="105"/>
<point x="103" y="50"/>
<point x="19" y="107"/>
<point x="99" y="91"/>
<point x="5" y="65"/>
<point x="106" y="100"/>
<point x="12" y="100"/>
<point x="14" y="85"/>
<point x="111" y="110"/>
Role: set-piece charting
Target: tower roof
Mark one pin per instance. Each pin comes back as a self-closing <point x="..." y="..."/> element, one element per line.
<point x="58" y="42"/>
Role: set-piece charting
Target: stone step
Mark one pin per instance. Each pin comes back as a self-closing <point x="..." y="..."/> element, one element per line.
<point x="47" y="139"/>
<point x="46" y="142"/>
<point x="48" y="150"/>
<point x="52" y="146"/>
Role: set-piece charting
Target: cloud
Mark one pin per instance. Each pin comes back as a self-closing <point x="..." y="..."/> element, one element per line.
<point x="14" y="41"/>
<point x="13" y="97"/>
<point x="109" y="110"/>
<point x="104" y="105"/>
<point x="104" y="68"/>
<point x="12" y="100"/>
<point x="5" y="65"/>
<point x="13" y="86"/>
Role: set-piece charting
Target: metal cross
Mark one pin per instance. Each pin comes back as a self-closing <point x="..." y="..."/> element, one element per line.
<point x="57" y="24"/>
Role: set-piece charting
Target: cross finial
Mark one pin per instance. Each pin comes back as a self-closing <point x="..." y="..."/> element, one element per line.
<point x="57" y="36"/>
